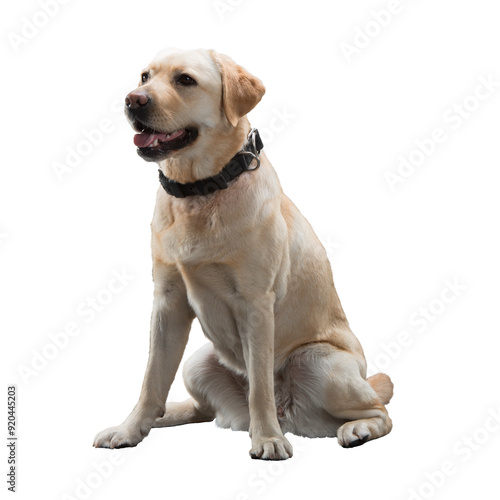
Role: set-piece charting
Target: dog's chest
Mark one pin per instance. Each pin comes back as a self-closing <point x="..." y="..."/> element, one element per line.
<point x="196" y="236"/>
<point x="213" y="295"/>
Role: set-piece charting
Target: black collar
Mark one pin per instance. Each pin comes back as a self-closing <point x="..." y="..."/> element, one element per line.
<point x="238" y="164"/>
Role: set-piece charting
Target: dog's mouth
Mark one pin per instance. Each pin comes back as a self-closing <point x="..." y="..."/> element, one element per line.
<point x="154" y="145"/>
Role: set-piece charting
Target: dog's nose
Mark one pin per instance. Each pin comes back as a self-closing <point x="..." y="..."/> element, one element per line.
<point x="136" y="100"/>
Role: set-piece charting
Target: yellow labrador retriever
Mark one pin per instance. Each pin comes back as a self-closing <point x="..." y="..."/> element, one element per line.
<point x="231" y="249"/>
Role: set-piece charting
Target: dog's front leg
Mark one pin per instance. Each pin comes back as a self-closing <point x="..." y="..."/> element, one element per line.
<point x="170" y="325"/>
<point x="268" y="441"/>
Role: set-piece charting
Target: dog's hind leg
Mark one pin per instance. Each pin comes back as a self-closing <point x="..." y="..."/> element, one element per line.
<point x="182" y="413"/>
<point x="359" y="401"/>
<point x="327" y="394"/>
<point x="217" y="393"/>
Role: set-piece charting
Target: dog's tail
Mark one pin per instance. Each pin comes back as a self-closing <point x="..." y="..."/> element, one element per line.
<point x="383" y="386"/>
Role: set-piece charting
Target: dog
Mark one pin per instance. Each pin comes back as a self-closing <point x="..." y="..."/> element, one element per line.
<point x="231" y="249"/>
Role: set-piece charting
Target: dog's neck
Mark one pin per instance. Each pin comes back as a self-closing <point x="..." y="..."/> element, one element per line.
<point x="213" y="150"/>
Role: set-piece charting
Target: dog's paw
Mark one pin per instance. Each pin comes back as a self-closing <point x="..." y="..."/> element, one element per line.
<point x="120" y="436"/>
<point x="275" y="448"/>
<point x="353" y="434"/>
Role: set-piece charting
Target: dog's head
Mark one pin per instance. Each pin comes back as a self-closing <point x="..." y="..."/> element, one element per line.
<point x="185" y="99"/>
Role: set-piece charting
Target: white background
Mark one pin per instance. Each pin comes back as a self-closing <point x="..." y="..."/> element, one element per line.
<point x="392" y="251"/>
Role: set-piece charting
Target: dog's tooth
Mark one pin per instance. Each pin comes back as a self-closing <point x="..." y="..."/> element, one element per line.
<point x="155" y="143"/>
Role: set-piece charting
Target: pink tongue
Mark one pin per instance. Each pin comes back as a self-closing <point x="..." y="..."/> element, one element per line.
<point x="145" y="139"/>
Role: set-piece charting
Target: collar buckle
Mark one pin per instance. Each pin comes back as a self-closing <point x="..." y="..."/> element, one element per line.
<point x="255" y="140"/>
<point x="255" y="143"/>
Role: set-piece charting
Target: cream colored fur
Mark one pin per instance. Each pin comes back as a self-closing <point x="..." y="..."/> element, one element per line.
<point x="247" y="264"/>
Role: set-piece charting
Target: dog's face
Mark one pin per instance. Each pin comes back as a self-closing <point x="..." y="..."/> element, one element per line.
<point x="184" y="98"/>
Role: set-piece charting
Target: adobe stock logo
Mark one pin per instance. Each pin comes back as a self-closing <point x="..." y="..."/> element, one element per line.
<point x="88" y="141"/>
<point x="419" y="321"/>
<point x="84" y="147"/>
<point x="453" y="119"/>
<point x="88" y="310"/>
<point x="280" y="120"/>
<point x="463" y="450"/>
<point x="365" y="34"/>
<point x="93" y="480"/>
<point x="31" y="27"/>
<point x="222" y="7"/>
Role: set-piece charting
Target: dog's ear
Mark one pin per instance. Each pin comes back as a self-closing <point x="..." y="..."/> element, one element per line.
<point x="241" y="91"/>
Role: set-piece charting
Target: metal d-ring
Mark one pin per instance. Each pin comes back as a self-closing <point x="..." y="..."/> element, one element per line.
<point x="255" y="157"/>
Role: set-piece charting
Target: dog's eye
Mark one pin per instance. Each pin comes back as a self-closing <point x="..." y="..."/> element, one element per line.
<point x="186" y="80"/>
<point x="145" y="77"/>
